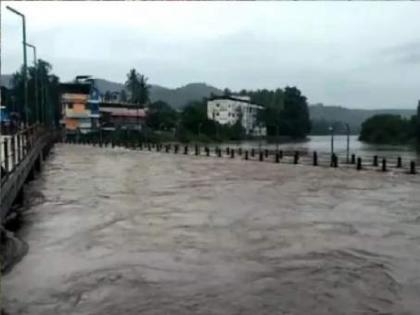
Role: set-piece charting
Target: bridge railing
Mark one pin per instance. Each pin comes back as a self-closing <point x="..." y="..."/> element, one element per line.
<point x="305" y="157"/>
<point x="15" y="147"/>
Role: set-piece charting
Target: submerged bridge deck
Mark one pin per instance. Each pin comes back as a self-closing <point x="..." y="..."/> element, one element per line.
<point x="21" y="156"/>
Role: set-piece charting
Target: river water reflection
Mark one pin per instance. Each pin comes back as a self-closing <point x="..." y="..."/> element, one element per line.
<point x="113" y="231"/>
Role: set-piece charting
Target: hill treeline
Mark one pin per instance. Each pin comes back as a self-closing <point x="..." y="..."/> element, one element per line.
<point x="322" y="117"/>
<point x="285" y="111"/>
<point x="391" y="129"/>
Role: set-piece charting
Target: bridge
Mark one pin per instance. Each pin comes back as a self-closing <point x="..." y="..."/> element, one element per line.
<point x="22" y="156"/>
<point x="23" y="153"/>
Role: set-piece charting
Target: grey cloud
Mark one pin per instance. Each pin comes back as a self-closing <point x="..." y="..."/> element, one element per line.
<point x="408" y="53"/>
<point x="347" y="59"/>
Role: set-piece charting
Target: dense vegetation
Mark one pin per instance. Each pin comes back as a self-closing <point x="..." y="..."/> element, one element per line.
<point x="194" y="123"/>
<point x="285" y="111"/>
<point x="190" y="124"/>
<point x="390" y="129"/>
<point x="161" y="116"/>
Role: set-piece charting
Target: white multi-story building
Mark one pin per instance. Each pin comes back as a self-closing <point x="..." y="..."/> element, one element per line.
<point x="228" y="109"/>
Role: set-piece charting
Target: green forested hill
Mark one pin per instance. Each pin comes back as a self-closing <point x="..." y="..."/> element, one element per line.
<point x="323" y="116"/>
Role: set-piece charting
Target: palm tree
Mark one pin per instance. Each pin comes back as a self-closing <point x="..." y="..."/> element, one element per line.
<point x="137" y="85"/>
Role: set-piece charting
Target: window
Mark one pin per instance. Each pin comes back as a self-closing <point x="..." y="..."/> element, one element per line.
<point x="217" y="104"/>
<point x="70" y="105"/>
<point x="217" y="114"/>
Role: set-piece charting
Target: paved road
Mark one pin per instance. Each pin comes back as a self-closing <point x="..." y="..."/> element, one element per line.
<point x="123" y="232"/>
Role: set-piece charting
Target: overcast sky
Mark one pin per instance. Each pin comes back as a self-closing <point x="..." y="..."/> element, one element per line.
<point x="354" y="54"/>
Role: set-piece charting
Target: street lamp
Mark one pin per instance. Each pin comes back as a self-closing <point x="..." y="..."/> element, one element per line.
<point x="38" y="111"/>
<point x="331" y="129"/>
<point x="25" y="80"/>
<point x="348" y="143"/>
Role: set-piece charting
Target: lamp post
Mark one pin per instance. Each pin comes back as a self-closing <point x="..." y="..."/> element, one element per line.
<point x="25" y="79"/>
<point x="331" y="129"/>
<point x="37" y="111"/>
<point x="348" y="143"/>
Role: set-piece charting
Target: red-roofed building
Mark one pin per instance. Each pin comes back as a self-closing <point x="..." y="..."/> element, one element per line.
<point x="116" y="115"/>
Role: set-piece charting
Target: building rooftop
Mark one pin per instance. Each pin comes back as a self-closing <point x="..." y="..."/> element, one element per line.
<point x="80" y="88"/>
<point x="237" y="98"/>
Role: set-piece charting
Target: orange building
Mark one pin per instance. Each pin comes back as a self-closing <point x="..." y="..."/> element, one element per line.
<point x="79" y="107"/>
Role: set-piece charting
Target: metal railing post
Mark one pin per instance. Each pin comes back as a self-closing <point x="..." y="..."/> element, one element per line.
<point x="6" y="156"/>
<point x="413" y="167"/>
<point x="296" y="157"/>
<point x="375" y="160"/>
<point x="383" y="165"/>
<point x="399" y="162"/>
<point x="315" y="159"/>
<point x="359" y="164"/>
<point x="19" y="156"/>
<point x="13" y="151"/>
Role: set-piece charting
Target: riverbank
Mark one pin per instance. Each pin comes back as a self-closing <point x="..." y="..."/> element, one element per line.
<point x="128" y="232"/>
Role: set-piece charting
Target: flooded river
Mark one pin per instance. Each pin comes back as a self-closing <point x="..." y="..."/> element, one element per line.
<point x="129" y="232"/>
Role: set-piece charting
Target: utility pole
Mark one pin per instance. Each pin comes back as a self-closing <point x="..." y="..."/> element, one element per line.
<point x="25" y="73"/>
<point x="332" y="139"/>
<point x="37" y="108"/>
<point x="348" y="143"/>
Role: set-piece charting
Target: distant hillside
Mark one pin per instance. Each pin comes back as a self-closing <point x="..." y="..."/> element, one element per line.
<point x="321" y="115"/>
<point x="175" y="97"/>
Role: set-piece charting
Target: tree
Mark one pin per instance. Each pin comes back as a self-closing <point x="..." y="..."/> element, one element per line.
<point x="123" y="96"/>
<point x="193" y="115"/>
<point x="107" y="96"/>
<point x="161" y="116"/>
<point x="227" y="92"/>
<point x="137" y="86"/>
<point x="386" y="128"/>
<point x="285" y="111"/>
<point x="194" y="121"/>
<point x="144" y="90"/>
<point x="49" y="110"/>
<point x="295" y="115"/>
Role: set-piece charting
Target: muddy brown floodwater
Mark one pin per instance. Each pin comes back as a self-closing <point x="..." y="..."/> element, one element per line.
<point x="126" y="232"/>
